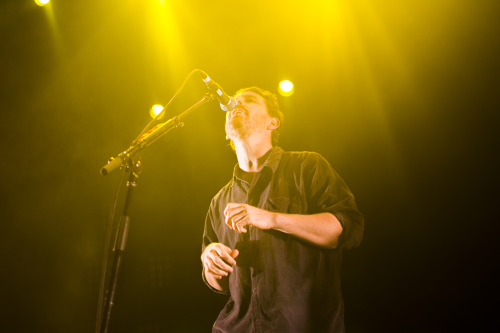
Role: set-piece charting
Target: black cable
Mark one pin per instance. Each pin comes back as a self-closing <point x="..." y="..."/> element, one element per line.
<point x="148" y="126"/>
<point x="107" y="247"/>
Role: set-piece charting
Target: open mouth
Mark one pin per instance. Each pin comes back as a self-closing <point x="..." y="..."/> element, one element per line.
<point x="237" y="111"/>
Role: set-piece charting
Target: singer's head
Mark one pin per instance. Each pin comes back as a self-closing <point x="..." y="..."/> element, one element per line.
<point x="257" y="115"/>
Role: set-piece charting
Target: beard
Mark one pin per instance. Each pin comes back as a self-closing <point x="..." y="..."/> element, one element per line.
<point x="239" y="127"/>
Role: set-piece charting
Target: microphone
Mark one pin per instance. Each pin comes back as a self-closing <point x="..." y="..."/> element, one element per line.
<point x="227" y="103"/>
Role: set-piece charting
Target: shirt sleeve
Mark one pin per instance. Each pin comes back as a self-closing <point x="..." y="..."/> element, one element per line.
<point x="209" y="236"/>
<point x="327" y="192"/>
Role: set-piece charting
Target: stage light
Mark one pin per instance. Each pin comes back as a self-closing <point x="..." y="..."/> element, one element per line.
<point x="41" y="2"/>
<point x="285" y="88"/>
<point x="155" y="110"/>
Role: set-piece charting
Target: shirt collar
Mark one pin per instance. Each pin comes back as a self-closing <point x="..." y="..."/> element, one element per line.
<point x="271" y="162"/>
<point x="274" y="159"/>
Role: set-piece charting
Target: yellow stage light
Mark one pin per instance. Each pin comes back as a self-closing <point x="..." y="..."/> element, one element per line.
<point x="286" y="88"/>
<point x="41" y="2"/>
<point x="156" y="110"/>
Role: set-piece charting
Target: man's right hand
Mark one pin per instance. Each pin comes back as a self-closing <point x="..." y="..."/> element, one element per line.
<point x="218" y="261"/>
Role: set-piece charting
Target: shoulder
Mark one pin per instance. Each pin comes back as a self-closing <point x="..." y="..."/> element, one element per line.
<point x="307" y="158"/>
<point x="311" y="166"/>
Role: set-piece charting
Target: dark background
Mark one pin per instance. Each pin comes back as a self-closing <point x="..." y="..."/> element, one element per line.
<point x="400" y="96"/>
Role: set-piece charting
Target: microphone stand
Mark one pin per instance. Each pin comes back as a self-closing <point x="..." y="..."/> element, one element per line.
<point x="134" y="167"/>
<point x="151" y="136"/>
<point x="130" y="164"/>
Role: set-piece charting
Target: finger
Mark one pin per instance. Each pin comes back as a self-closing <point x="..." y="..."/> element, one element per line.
<point x="219" y="267"/>
<point x="239" y="221"/>
<point x="240" y="226"/>
<point x="232" y="219"/>
<point x="227" y="262"/>
<point x="216" y="273"/>
<point x="237" y="225"/>
<point x="219" y="254"/>
<point x="210" y="255"/>
<point x="233" y="208"/>
<point x="229" y="206"/>
<point x="223" y="264"/>
<point x="217" y="248"/>
<point x="224" y="258"/>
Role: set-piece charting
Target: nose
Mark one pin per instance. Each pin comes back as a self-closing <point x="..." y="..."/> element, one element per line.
<point x="239" y="100"/>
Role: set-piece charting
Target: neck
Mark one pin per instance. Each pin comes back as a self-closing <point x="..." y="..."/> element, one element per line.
<point x="251" y="155"/>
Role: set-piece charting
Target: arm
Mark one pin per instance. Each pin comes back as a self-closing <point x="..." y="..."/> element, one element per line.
<point x="321" y="229"/>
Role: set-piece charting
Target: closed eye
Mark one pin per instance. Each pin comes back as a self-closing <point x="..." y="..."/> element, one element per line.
<point x="250" y="100"/>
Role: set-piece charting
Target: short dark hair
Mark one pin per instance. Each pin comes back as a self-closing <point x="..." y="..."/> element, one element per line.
<point x="273" y="108"/>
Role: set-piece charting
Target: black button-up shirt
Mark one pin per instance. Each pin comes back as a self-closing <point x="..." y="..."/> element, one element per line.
<point x="282" y="283"/>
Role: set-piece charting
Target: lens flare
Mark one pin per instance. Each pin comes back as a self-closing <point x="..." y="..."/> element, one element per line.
<point x="286" y="88"/>
<point x="41" y="2"/>
<point x="155" y="110"/>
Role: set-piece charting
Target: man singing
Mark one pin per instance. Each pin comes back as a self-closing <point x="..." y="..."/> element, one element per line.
<point x="274" y="234"/>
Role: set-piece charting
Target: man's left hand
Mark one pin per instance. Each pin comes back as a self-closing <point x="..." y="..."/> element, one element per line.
<point x="238" y="216"/>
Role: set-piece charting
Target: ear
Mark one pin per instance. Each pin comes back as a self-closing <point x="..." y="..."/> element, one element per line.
<point x="273" y="124"/>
